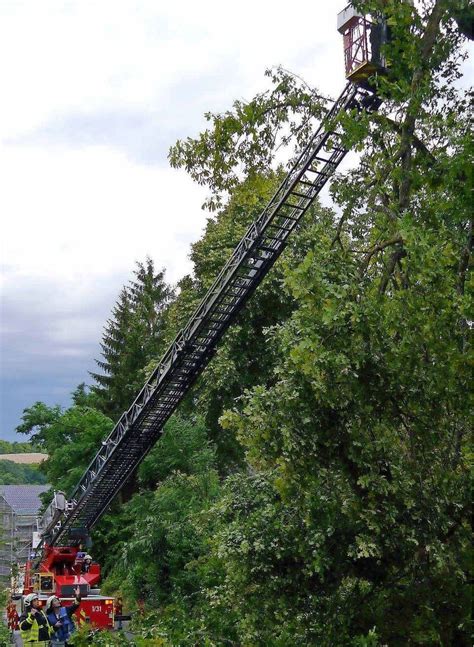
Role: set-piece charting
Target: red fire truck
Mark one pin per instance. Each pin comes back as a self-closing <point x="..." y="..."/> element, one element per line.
<point x="60" y="572"/>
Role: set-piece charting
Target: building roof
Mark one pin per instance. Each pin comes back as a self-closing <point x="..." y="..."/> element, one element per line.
<point x="29" y="458"/>
<point x="23" y="499"/>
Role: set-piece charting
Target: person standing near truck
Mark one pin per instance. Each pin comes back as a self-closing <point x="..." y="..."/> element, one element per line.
<point x="60" y="619"/>
<point x="35" y="629"/>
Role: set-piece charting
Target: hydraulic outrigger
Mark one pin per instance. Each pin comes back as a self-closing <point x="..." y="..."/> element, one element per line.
<point x="66" y="524"/>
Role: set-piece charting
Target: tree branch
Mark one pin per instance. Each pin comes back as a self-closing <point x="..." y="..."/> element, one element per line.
<point x="408" y="127"/>
<point x="394" y="259"/>
<point x="419" y="145"/>
<point x="465" y="260"/>
<point x="396" y="240"/>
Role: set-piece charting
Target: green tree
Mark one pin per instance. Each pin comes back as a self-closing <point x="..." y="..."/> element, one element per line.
<point x="36" y="420"/>
<point x="4" y="631"/>
<point x="132" y="337"/>
<point x="114" y="387"/>
<point x="159" y="544"/>
<point x="70" y="438"/>
<point x="19" y="474"/>
<point x="360" y="447"/>
<point x="150" y="296"/>
<point x="15" y="447"/>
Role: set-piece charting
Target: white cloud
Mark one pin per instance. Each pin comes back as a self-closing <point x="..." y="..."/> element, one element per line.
<point x="100" y="54"/>
<point x="91" y="211"/>
<point x="81" y="210"/>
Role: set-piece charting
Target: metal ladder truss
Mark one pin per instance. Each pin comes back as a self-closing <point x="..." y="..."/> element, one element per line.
<point x="138" y="429"/>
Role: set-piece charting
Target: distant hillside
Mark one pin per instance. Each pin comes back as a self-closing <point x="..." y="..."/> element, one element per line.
<point x="12" y="473"/>
<point x="7" y="447"/>
<point x="32" y="458"/>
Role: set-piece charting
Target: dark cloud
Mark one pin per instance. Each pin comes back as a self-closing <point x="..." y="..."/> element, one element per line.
<point x="17" y="393"/>
<point x="49" y="341"/>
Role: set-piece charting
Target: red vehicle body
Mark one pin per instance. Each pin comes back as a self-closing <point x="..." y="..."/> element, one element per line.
<point x="60" y="573"/>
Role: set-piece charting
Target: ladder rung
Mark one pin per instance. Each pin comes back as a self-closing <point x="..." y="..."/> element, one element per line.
<point x="280" y="227"/>
<point x="219" y="317"/>
<point x="323" y="159"/>
<point x="295" y="206"/>
<point x="301" y="195"/>
<point x="265" y="248"/>
<point x="278" y="240"/>
<point x="285" y="215"/>
<point x="229" y="297"/>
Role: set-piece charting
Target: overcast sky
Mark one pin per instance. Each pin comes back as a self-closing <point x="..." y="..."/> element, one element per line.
<point x="93" y="95"/>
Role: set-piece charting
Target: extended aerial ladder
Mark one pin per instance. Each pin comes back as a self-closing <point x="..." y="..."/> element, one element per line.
<point x="139" y="428"/>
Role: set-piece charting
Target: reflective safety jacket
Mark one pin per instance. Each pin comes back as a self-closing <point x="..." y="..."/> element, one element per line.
<point x="35" y="628"/>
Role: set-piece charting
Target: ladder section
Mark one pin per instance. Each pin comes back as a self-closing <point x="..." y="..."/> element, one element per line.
<point x="138" y="429"/>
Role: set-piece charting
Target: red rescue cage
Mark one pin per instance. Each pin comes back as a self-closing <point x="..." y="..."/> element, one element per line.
<point x="363" y="39"/>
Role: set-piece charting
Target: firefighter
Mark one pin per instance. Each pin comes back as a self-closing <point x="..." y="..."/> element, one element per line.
<point x="35" y="629"/>
<point x="60" y="618"/>
<point x="86" y="564"/>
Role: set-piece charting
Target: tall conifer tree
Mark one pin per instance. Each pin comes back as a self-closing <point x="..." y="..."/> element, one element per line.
<point x="131" y="338"/>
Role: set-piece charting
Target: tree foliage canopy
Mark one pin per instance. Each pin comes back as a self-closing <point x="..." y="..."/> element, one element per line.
<point x="69" y="437"/>
<point x="12" y="473"/>
<point x="15" y="447"/>
<point x="245" y="140"/>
